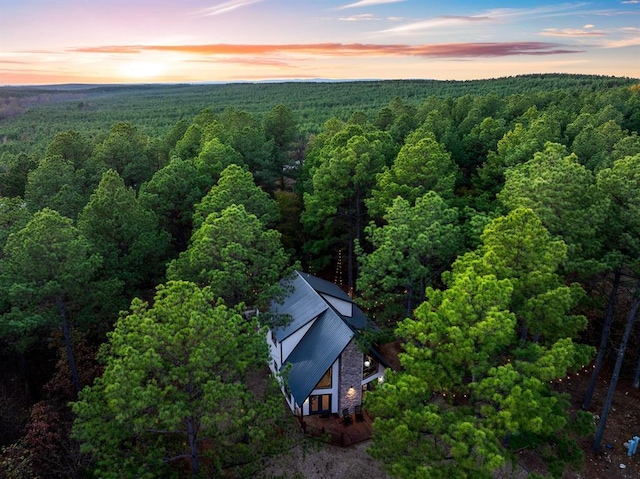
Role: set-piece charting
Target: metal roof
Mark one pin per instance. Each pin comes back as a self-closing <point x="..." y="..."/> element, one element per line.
<point x="302" y="305"/>
<point x="359" y="320"/>
<point x="323" y="286"/>
<point x="316" y="352"/>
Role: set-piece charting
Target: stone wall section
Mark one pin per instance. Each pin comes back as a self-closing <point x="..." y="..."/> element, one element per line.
<point x="350" y="383"/>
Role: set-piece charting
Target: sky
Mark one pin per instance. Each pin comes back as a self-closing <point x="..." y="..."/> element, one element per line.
<point x="148" y="41"/>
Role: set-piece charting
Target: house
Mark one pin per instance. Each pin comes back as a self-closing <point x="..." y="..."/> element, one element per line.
<point x="326" y="372"/>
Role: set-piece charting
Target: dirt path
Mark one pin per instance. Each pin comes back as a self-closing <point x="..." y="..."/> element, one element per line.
<point x="324" y="461"/>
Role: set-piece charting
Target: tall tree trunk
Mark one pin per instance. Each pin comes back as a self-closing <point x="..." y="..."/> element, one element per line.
<point x="408" y="297"/>
<point x="358" y="236"/>
<point x="604" y="338"/>
<point x="616" y="371"/>
<point x="62" y="311"/>
<point x="636" y="378"/>
<point x="192" y="434"/>
<point x="350" y="279"/>
<point x="524" y="333"/>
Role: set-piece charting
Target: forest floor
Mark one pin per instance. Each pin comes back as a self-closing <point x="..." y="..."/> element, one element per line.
<point x="622" y="424"/>
<point x="325" y="461"/>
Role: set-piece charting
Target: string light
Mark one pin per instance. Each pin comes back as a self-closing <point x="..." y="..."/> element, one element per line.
<point x="338" y="279"/>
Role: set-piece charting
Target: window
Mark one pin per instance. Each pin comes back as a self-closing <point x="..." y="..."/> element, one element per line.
<point x="370" y="386"/>
<point x="325" y="382"/>
<point x="320" y="404"/>
<point x="369" y="367"/>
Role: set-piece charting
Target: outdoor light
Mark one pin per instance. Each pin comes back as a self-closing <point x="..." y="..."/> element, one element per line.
<point x="367" y="363"/>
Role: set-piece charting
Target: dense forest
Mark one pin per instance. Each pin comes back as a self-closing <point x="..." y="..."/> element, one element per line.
<point x="490" y="228"/>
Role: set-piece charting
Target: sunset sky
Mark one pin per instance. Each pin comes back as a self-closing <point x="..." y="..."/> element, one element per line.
<point x="130" y="41"/>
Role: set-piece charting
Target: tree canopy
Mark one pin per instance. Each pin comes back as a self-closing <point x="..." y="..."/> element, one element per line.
<point x="471" y="381"/>
<point x="236" y="187"/>
<point x="174" y="394"/>
<point x="234" y="254"/>
<point x="422" y="165"/>
<point x="47" y="266"/>
<point x="563" y="194"/>
<point x="470" y="208"/>
<point x="410" y="251"/>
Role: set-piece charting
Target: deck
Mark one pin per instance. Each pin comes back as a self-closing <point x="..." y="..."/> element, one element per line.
<point x="333" y="429"/>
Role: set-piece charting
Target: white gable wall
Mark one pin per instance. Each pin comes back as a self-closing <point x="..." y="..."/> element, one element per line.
<point x="289" y="344"/>
<point x="280" y="351"/>
<point x="345" y="308"/>
<point x="275" y="350"/>
<point x="335" y="377"/>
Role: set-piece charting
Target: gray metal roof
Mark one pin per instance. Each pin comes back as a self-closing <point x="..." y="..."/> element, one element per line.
<point x="316" y="352"/>
<point x="302" y="304"/>
<point x="323" y="286"/>
<point x="359" y="320"/>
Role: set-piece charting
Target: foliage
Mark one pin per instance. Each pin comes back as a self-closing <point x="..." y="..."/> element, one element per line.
<point x="46" y="450"/>
<point x="13" y="217"/>
<point x="236" y="187"/>
<point x="125" y="150"/>
<point x="519" y="248"/>
<point x="563" y="194"/>
<point x="565" y="146"/>
<point x="15" y="462"/>
<point x="158" y="107"/>
<point x="281" y="127"/>
<point x="174" y="394"/>
<point x="422" y="165"/>
<point x="234" y="254"/>
<point x="518" y="146"/>
<point x="469" y="380"/>
<point x="213" y="159"/>
<point x="335" y="209"/>
<point x="71" y="145"/>
<point x="410" y="251"/>
<point x="188" y="147"/>
<point x="124" y="233"/>
<point x="14" y="171"/>
<point x="621" y="186"/>
<point x="289" y="226"/>
<point x="46" y="267"/>
<point x="53" y="184"/>
<point x="47" y="263"/>
<point x="170" y="194"/>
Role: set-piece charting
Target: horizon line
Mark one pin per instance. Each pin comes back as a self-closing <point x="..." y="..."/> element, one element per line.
<point x="298" y="80"/>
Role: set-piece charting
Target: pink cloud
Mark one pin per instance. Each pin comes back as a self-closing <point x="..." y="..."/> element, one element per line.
<point x="442" y="50"/>
<point x="246" y="61"/>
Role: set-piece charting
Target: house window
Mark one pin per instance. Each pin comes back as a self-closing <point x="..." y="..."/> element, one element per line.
<point x="370" y="386"/>
<point x="370" y="367"/>
<point x="320" y="404"/>
<point x="325" y="382"/>
<point x="273" y="338"/>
